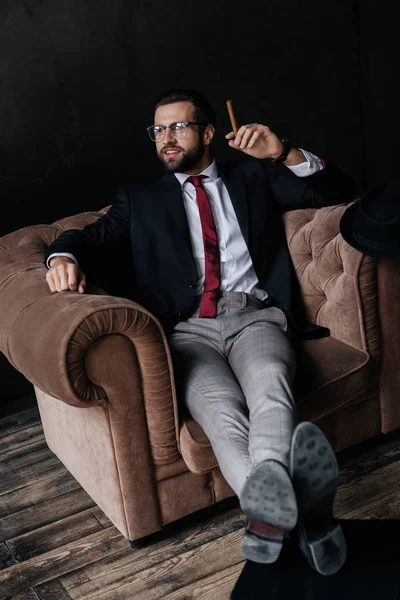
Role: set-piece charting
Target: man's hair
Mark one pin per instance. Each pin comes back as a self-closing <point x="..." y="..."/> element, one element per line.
<point x="203" y="111"/>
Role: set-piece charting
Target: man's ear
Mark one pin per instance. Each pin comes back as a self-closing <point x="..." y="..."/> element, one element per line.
<point x="208" y="134"/>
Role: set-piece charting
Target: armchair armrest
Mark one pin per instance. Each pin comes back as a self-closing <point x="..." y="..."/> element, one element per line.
<point x="51" y="339"/>
<point x="103" y="354"/>
<point x="338" y="284"/>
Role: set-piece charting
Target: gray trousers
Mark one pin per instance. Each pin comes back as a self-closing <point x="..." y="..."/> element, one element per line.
<point x="234" y="375"/>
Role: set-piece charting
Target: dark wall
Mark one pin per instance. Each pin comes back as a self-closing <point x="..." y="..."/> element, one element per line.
<point x="379" y="65"/>
<point x="79" y="79"/>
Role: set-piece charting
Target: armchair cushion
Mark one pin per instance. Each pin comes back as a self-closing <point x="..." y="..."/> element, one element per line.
<point x="196" y="449"/>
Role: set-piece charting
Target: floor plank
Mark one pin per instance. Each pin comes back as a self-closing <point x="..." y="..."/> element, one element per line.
<point x="112" y="570"/>
<point x="386" y="506"/>
<point x="19" y="472"/>
<point x="21" y="438"/>
<point x="363" y="488"/>
<point x="101" y="517"/>
<point x="54" y="535"/>
<point x="6" y="558"/>
<point x="48" y="511"/>
<point x="187" y="567"/>
<point x="56" y="483"/>
<point x="27" y="595"/>
<point x="53" y="564"/>
<point x="19" y="421"/>
<point x="29" y="459"/>
<point x="218" y="585"/>
<point x="23" y="452"/>
<point x="52" y="590"/>
<point x="367" y="472"/>
<point x="367" y="455"/>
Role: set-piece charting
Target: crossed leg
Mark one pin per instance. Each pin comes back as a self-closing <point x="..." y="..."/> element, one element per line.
<point x="208" y="389"/>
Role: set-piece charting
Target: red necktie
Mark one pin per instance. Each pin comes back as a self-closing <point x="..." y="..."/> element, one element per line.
<point x="212" y="282"/>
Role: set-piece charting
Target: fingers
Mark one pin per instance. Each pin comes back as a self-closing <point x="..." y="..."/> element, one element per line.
<point x="50" y="281"/>
<point x="245" y="137"/>
<point x="66" y="276"/>
<point x="253" y="139"/>
<point x="82" y="284"/>
<point x="62" y="279"/>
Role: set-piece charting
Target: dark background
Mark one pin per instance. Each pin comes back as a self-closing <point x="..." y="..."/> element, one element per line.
<point x="78" y="80"/>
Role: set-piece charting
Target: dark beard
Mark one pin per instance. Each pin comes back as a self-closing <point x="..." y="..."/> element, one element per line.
<point x="187" y="161"/>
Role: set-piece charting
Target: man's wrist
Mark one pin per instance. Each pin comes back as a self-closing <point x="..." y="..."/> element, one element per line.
<point x="286" y="146"/>
<point x="295" y="157"/>
<point x="58" y="259"/>
<point x="274" y="156"/>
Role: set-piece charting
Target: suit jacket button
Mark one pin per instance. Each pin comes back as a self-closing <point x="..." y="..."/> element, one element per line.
<point x="192" y="285"/>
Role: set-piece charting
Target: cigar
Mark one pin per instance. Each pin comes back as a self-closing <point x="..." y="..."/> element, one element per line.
<point x="232" y="116"/>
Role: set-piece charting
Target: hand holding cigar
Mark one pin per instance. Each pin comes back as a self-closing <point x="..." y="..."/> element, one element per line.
<point x="257" y="140"/>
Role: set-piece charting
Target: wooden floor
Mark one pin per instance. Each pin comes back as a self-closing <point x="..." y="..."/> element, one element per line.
<point x="56" y="544"/>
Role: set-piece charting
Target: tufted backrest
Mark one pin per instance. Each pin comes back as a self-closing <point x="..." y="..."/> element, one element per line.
<point x="44" y="235"/>
<point x="338" y="283"/>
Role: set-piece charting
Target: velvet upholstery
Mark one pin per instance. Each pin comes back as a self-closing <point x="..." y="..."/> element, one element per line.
<point x="103" y="377"/>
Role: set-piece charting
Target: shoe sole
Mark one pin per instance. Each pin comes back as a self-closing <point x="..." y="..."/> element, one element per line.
<point x="268" y="496"/>
<point x="313" y="467"/>
<point x="328" y="551"/>
<point x="315" y="475"/>
<point x="260" y="549"/>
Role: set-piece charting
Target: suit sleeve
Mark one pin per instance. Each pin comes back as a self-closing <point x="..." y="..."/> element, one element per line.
<point x="107" y="234"/>
<point x="327" y="187"/>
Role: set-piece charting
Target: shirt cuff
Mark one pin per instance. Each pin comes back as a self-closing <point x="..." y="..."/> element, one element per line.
<point x="71" y="256"/>
<point x="312" y="165"/>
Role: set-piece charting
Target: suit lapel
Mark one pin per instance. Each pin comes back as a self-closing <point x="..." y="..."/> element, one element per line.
<point x="233" y="178"/>
<point x="173" y="202"/>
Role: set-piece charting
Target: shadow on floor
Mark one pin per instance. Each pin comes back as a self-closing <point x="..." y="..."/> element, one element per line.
<point x="372" y="569"/>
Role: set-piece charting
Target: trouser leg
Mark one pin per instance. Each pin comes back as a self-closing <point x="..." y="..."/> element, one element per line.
<point x="208" y="389"/>
<point x="263" y="360"/>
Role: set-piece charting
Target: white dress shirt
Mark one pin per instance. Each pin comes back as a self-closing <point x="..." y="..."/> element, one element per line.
<point x="237" y="270"/>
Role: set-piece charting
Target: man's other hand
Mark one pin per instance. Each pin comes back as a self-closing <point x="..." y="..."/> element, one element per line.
<point x="65" y="275"/>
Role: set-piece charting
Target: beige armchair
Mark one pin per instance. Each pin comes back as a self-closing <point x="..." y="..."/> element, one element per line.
<point x="102" y="371"/>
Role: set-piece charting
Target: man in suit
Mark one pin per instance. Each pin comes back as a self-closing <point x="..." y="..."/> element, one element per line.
<point x="210" y="261"/>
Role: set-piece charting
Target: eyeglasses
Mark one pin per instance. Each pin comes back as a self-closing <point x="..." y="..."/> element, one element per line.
<point x="178" y="129"/>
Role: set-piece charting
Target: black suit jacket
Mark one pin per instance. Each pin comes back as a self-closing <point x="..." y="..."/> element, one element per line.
<point x="151" y="219"/>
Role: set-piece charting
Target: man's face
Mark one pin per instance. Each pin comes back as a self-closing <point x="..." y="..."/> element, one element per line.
<point x="179" y="154"/>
